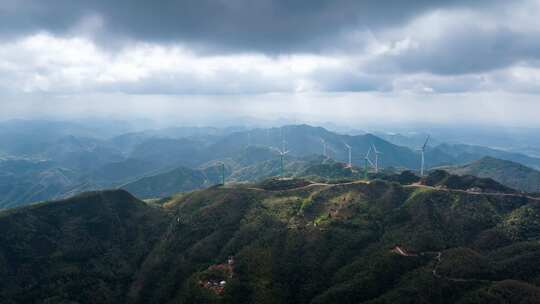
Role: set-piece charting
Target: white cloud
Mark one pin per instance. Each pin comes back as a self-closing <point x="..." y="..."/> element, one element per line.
<point x="445" y="65"/>
<point x="441" y="51"/>
<point x="460" y="41"/>
<point x="43" y="62"/>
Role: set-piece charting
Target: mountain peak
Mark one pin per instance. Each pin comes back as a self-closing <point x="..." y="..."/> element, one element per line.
<point x="114" y="198"/>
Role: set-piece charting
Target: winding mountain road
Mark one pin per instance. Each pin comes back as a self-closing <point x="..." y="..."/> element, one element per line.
<point x="416" y="185"/>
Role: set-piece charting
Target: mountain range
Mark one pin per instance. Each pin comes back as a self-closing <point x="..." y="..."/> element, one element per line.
<point x="58" y="163"/>
<point x="279" y="241"/>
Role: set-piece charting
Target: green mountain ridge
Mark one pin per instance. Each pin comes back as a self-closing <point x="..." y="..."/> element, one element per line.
<point x="260" y="166"/>
<point x="292" y="241"/>
<point x="506" y="172"/>
<point x="181" y="179"/>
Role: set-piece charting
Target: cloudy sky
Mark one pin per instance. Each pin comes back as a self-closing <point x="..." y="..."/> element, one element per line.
<point x="347" y="61"/>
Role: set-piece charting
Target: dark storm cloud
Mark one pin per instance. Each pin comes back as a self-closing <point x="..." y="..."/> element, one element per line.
<point x="199" y="46"/>
<point x="265" y="25"/>
<point x="465" y="50"/>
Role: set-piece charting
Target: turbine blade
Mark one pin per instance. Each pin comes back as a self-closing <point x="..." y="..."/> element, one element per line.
<point x="425" y="144"/>
<point x="275" y="149"/>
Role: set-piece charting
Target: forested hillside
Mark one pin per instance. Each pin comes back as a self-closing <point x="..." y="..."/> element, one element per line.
<point x="280" y="241"/>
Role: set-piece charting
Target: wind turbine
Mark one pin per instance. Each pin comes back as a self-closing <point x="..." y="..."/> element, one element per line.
<point x="222" y="173"/>
<point x="422" y="150"/>
<point x="367" y="161"/>
<point x="376" y="158"/>
<point x="282" y="154"/>
<point x="349" y="165"/>
<point x="324" y="147"/>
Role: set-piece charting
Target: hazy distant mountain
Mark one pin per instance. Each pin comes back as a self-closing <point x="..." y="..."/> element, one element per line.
<point x="165" y="184"/>
<point x="24" y="181"/>
<point x="249" y="155"/>
<point x="29" y="137"/>
<point x="462" y="154"/>
<point x="171" y="152"/>
<point x="412" y="141"/>
<point x="81" y="153"/>
<point x="125" y="170"/>
<point x="253" y="154"/>
<point x="129" y="141"/>
<point x="254" y="164"/>
<point x="247" y="147"/>
<point x="528" y="150"/>
<point x="444" y="153"/>
<point x="506" y="172"/>
<point x="304" y="140"/>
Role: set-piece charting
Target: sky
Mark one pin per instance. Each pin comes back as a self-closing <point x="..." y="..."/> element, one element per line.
<point x="349" y="62"/>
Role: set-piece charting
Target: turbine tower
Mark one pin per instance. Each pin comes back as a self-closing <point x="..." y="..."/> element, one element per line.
<point x="223" y="174"/>
<point x="222" y="169"/>
<point x="282" y="154"/>
<point x="376" y="158"/>
<point x="422" y="151"/>
<point x="367" y="161"/>
<point x="324" y="147"/>
<point x="349" y="165"/>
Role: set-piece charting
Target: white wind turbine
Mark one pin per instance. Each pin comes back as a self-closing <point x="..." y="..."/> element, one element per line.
<point x="349" y="165"/>
<point x="367" y="162"/>
<point x="222" y="167"/>
<point x="324" y="147"/>
<point x="377" y="152"/>
<point x="422" y="151"/>
<point x="282" y="154"/>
